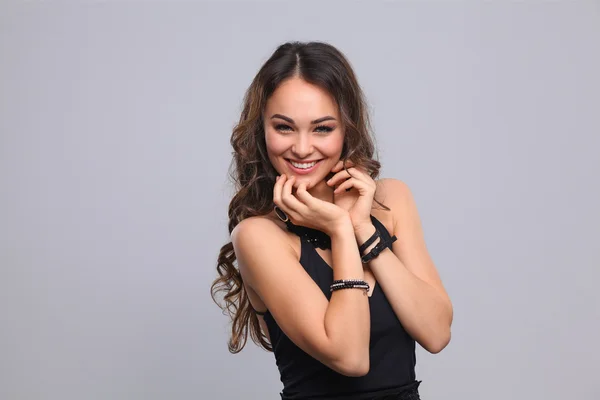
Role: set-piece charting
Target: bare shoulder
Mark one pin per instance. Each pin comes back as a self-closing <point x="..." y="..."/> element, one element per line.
<point x="252" y="225"/>
<point x="406" y="222"/>
<point x="255" y="235"/>
<point x="394" y="194"/>
<point x="392" y="190"/>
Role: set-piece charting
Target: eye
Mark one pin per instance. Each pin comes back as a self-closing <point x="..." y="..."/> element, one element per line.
<point x="283" y="128"/>
<point x="324" y="128"/>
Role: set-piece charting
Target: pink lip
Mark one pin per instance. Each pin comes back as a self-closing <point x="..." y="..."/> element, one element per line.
<point x="303" y="171"/>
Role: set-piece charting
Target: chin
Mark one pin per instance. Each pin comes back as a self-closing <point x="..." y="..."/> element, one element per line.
<point x="311" y="181"/>
<point x="300" y="178"/>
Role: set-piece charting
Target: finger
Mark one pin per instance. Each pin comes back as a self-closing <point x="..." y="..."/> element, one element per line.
<point x="303" y="195"/>
<point x="335" y="179"/>
<point x="349" y="184"/>
<point x="345" y="174"/>
<point x="340" y="165"/>
<point x="277" y="188"/>
<point x="288" y="185"/>
<point x="278" y="195"/>
<point x="288" y="199"/>
<point x="354" y="171"/>
<point x="337" y="166"/>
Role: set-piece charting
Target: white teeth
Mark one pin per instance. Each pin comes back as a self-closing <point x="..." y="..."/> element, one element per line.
<point x="303" y="165"/>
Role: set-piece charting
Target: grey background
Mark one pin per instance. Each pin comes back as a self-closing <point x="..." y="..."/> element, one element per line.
<point x="114" y="147"/>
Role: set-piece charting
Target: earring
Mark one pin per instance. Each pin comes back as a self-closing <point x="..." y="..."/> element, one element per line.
<point x="282" y="216"/>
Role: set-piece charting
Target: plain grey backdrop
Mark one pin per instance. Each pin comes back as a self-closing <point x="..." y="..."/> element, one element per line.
<point x="115" y="121"/>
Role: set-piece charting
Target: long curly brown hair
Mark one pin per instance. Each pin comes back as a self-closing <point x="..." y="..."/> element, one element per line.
<point x="252" y="173"/>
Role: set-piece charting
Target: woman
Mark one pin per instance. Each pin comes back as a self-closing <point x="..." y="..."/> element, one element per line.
<point x="333" y="272"/>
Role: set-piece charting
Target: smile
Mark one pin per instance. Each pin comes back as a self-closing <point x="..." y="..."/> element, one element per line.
<point x="303" y="168"/>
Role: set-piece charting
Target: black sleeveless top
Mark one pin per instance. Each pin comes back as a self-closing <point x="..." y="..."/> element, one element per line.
<point x="392" y="350"/>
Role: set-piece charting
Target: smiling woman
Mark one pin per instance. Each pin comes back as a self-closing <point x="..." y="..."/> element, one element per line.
<point x="303" y="136"/>
<point x="333" y="274"/>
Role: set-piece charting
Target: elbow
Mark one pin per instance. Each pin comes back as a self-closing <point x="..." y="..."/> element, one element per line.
<point x="353" y="367"/>
<point x="439" y="344"/>
<point x="355" y="370"/>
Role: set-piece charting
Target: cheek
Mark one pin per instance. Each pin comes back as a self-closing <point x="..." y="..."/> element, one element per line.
<point x="275" y="148"/>
<point x="335" y="146"/>
<point x="275" y="144"/>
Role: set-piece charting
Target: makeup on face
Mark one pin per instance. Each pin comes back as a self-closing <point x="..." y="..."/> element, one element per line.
<point x="304" y="164"/>
<point x="317" y="126"/>
<point x="303" y="168"/>
<point x="302" y="130"/>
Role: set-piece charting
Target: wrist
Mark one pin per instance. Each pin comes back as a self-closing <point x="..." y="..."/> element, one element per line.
<point x="365" y="236"/>
<point x="341" y="226"/>
<point x="364" y="232"/>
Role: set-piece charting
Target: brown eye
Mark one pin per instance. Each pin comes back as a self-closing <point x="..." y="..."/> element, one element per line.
<point x="283" y="127"/>
<point x="324" y="128"/>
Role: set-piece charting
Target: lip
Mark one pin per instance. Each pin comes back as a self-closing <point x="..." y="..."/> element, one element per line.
<point x="303" y="171"/>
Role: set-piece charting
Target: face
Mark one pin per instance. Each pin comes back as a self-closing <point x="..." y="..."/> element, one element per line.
<point x="303" y="131"/>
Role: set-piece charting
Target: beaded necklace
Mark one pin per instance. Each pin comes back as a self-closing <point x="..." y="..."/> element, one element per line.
<point x="314" y="236"/>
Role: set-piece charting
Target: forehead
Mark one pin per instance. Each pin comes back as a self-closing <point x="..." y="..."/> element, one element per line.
<point x="299" y="99"/>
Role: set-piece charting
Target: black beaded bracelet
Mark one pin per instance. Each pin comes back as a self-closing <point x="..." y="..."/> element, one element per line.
<point x="349" y="284"/>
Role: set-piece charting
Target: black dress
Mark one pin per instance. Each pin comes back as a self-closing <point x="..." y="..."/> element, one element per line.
<point x="392" y="350"/>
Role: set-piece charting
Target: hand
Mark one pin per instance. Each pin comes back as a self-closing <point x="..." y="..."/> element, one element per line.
<point x="358" y="202"/>
<point x="304" y="209"/>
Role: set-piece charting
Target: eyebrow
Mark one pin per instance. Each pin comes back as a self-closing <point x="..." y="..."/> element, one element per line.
<point x="316" y="121"/>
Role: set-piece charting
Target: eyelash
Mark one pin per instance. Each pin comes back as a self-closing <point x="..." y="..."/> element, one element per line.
<point x="283" y="127"/>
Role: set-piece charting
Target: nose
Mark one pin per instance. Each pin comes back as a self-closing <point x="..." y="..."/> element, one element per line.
<point x="302" y="148"/>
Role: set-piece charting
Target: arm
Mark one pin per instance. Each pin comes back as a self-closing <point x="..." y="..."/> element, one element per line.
<point x="407" y="274"/>
<point x="336" y="332"/>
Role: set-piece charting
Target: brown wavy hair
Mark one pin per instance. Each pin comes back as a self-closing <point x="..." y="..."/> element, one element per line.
<point x="253" y="174"/>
